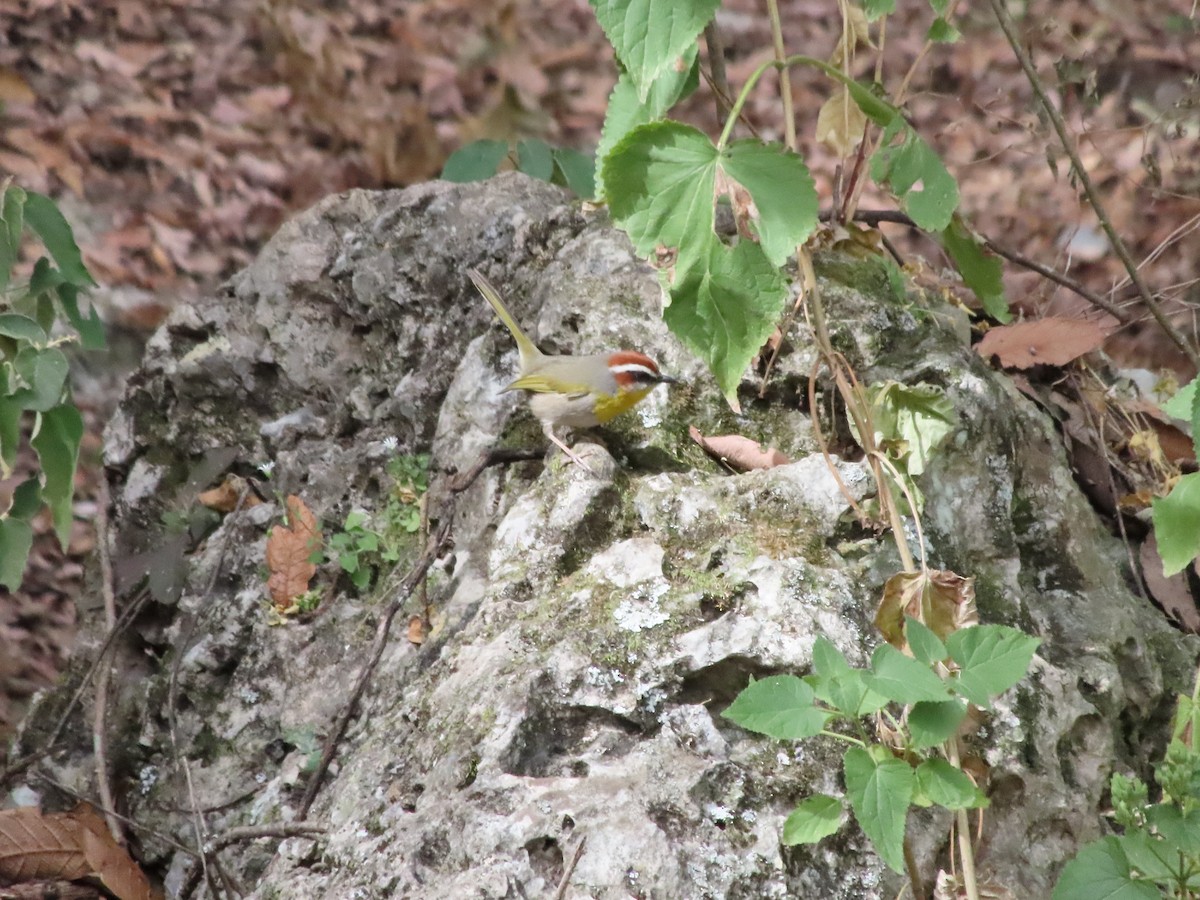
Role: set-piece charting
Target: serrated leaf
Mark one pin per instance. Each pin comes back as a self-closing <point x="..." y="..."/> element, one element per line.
<point x="925" y="645"/>
<point x="576" y="171"/>
<point x="1100" y="871"/>
<point x="981" y="270"/>
<point x="57" y="445"/>
<point x="1177" y="524"/>
<point x="947" y="786"/>
<point x="22" y="328"/>
<point x="880" y="792"/>
<point x="45" y="373"/>
<point x="815" y="818"/>
<point x="903" y="679"/>
<point x="626" y="111"/>
<point x="48" y="223"/>
<point x="782" y="189"/>
<point x="991" y="659"/>
<point x="910" y="169"/>
<point x="932" y="722"/>
<point x="649" y="35"/>
<point x="780" y="707"/>
<point x="841" y="123"/>
<point x="16" y="537"/>
<point x="725" y="306"/>
<point x="535" y="159"/>
<point x="911" y="421"/>
<point x="475" y="161"/>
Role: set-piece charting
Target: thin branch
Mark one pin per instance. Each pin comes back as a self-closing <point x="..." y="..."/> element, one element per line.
<point x="99" y="731"/>
<point x="716" y="63"/>
<point x="254" y="832"/>
<point x="565" y="881"/>
<point x="1010" y="32"/>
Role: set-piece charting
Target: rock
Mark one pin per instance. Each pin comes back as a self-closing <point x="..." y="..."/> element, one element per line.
<point x="588" y="629"/>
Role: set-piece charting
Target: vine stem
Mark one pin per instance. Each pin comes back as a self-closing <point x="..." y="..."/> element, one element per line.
<point x="966" y="852"/>
<point x="785" y="81"/>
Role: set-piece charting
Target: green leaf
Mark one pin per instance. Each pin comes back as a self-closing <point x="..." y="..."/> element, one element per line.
<point x="476" y="161"/>
<point x="16" y="537"/>
<point x="48" y="223"/>
<point x="1180" y="406"/>
<point x="925" y="645"/>
<point x="576" y="171"/>
<point x="903" y="679"/>
<point x="783" y="193"/>
<point x="22" y="328"/>
<point x="981" y="270"/>
<point x="942" y="32"/>
<point x="947" y="786"/>
<point x="780" y="707"/>
<point x="911" y="421"/>
<point x="57" y="446"/>
<point x="725" y="306"/>
<point x="650" y="35"/>
<point x="12" y="218"/>
<point x="880" y="791"/>
<point x="1177" y="524"/>
<point x="992" y="658"/>
<point x="90" y="328"/>
<point x="26" y="500"/>
<point x="10" y="433"/>
<point x="815" y="818"/>
<point x="877" y="8"/>
<point x="535" y="159"/>
<point x="900" y="167"/>
<point x="626" y="111"/>
<point x="1101" y="872"/>
<point x="45" y="373"/>
<point x="932" y="722"/>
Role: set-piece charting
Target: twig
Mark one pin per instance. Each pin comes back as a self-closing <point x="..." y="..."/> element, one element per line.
<point x="716" y="63"/>
<point x="99" y="732"/>
<point x="432" y="550"/>
<point x="255" y="832"/>
<point x="497" y="456"/>
<point x="565" y="881"/>
<point x="1009" y="28"/>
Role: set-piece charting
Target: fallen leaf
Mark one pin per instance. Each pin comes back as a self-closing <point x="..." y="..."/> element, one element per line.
<point x="416" y="630"/>
<point x="1173" y="594"/>
<point x="289" y="554"/>
<point x="739" y="452"/>
<point x="1053" y="341"/>
<point x="224" y="497"/>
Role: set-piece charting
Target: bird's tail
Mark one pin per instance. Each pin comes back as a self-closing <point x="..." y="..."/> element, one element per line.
<point x="528" y="350"/>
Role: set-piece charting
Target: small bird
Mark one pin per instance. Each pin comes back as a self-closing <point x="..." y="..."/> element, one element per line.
<point x="575" y="391"/>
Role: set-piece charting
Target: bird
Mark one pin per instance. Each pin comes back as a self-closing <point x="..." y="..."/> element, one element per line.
<point x="574" y="391"/>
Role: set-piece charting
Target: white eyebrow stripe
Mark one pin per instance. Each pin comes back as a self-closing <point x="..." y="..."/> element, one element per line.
<point x="634" y="367"/>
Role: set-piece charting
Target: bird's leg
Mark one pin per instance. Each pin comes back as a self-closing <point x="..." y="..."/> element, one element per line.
<point x="571" y="455"/>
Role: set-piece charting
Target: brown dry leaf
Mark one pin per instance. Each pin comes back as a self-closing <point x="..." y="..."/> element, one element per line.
<point x="68" y="846"/>
<point x="1053" y="341"/>
<point x="1172" y="594"/>
<point x="289" y="554"/>
<point x="738" y="452"/>
<point x="840" y="123"/>
<point x="942" y="601"/>
<point x="14" y="89"/>
<point x="416" y="630"/>
<point x="224" y="497"/>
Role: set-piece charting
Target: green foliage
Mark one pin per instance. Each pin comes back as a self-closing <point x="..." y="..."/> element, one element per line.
<point x="568" y="168"/>
<point x="882" y="782"/>
<point x="1177" y="516"/>
<point x="1159" y="853"/>
<point x="37" y="317"/>
<point x="366" y="545"/>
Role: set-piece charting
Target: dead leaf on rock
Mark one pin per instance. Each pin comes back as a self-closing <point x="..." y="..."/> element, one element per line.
<point x="224" y="497"/>
<point x="941" y="601"/>
<point x="290" y="550"/>
<point x="1172" y="594"/>
<point x="1053" y="341"/>
<point x="37" y="846"/>
<point x="416" y="630"/>
<point x="739" y="452"/>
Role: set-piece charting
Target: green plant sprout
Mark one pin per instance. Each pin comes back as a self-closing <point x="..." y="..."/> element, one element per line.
<point x="1158" y="855"/>
<point x="34" y="390"/>
<point x="919" y="702"/>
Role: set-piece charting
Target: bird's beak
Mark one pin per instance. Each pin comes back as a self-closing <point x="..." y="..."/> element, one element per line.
<point x="667" y="379"/>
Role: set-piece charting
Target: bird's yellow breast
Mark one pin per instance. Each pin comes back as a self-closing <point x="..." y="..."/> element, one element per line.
<point x="609" y="406"/>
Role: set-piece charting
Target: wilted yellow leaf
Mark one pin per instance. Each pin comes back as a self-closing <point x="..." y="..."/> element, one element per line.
<point x="840" y="123"/>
